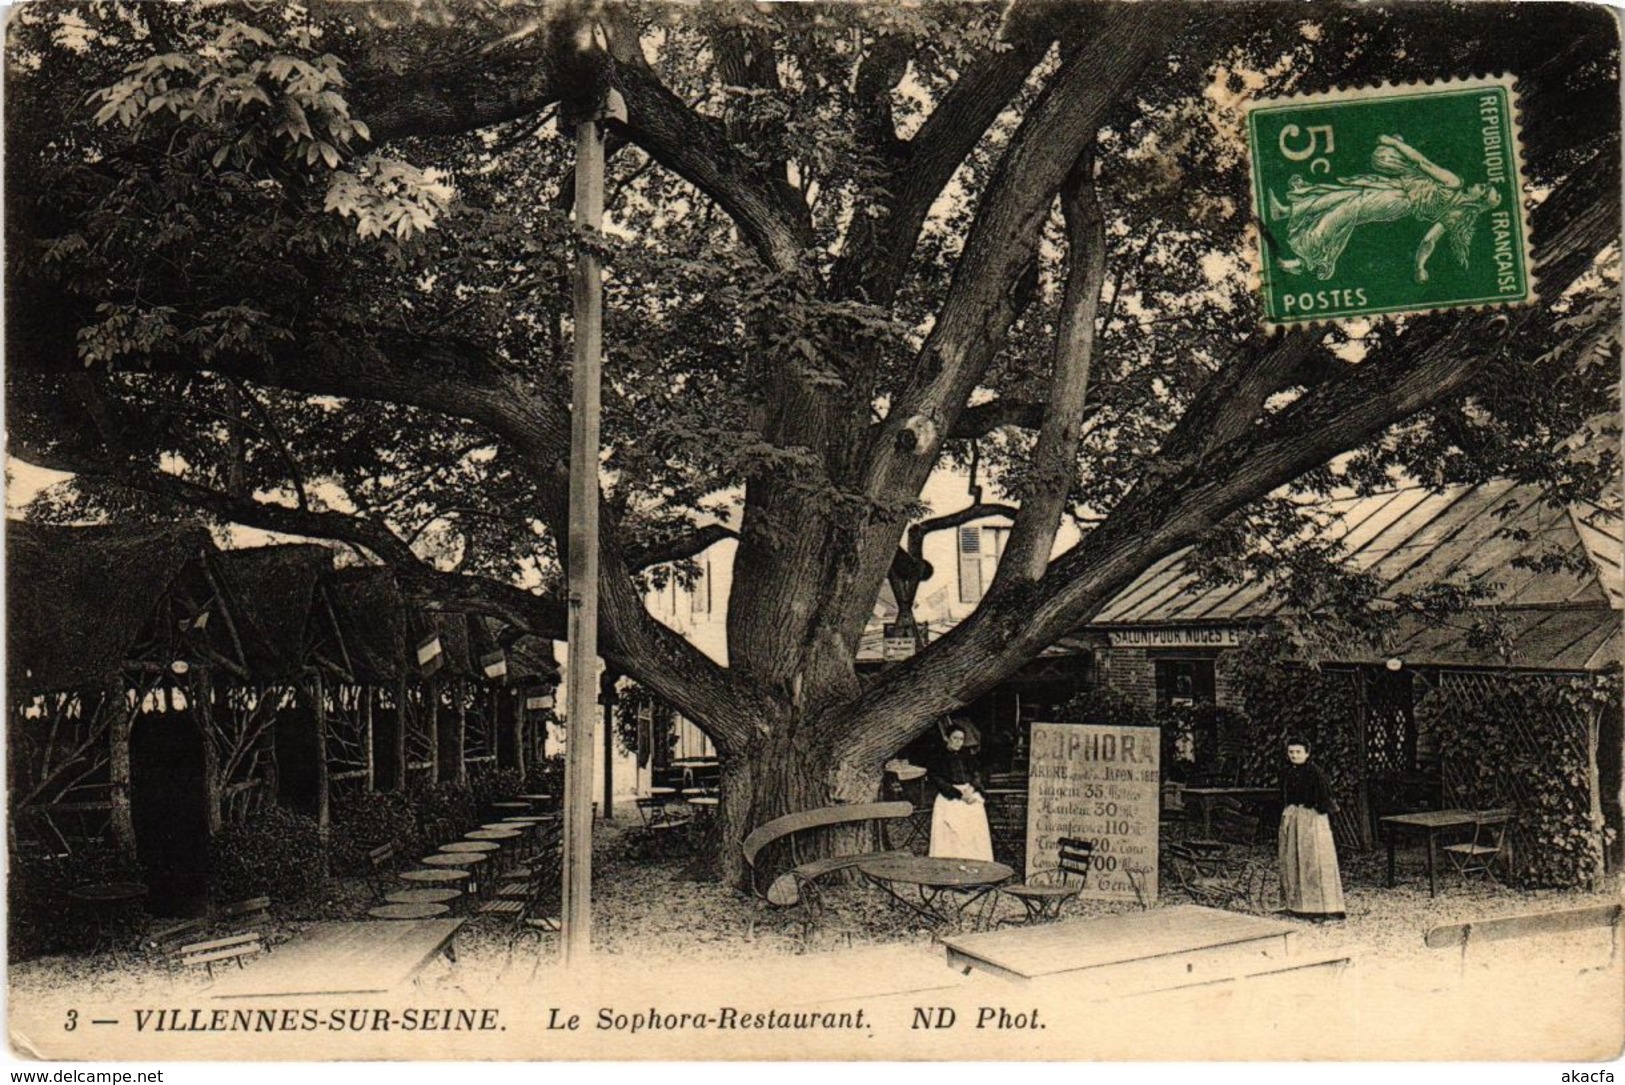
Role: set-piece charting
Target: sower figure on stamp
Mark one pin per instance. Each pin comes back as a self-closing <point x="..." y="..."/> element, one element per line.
<point x="1311" y="885"/>
<point x="1322" y="217"/>
<point x="959" y="817"/>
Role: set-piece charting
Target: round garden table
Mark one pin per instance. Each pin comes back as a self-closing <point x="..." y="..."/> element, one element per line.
<point x="424" y="896"/>
<point x="463" y="859"/>
<point x="510" y="806"/>
<point x="501" y="826"/>
<point x="938" y="890"/>
<point x="455" y="858"/>
<point x="493" y="834"/>
<point x="408" y="911"/>
<point x="469" y="846"/>
<point x="108" y="892"/>
<point x="110" y="908"/>
<point x="440" y="876"/>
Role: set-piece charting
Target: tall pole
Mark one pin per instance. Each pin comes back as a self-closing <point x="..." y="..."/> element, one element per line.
<point x="583" y="561"/>
<point x="608" y="696"/>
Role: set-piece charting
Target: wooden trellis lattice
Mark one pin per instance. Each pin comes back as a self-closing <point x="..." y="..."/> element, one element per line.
<point x="417" y="712"/>
<point x="478" y="708"/>
<point x="63" y="777"/>
<point x="348" y="710"/>
<point x="1535" y="733"/>
<point x="242" y="723"/>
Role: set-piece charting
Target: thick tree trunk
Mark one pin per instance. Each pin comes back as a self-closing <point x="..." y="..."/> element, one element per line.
<point x="789" y="768"/>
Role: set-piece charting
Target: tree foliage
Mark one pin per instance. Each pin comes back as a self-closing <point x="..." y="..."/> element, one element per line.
<point x="306" y="267"/>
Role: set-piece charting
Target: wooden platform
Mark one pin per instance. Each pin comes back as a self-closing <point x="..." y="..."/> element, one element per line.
<point x="1135" y="951"/>
<point x="373" y="957"/>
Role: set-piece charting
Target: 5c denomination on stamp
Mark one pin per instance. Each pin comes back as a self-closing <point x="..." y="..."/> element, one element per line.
<point x="1393" y="199"/>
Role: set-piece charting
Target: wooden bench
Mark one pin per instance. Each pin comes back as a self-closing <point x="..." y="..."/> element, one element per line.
<point x="801" y="880"/>
<point x="251" y="911"/>
<point x="1462" y="935"/>
<point x="205" y="955"/>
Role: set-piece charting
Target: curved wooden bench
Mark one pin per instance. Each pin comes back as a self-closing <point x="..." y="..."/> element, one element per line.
<point x="1460" y="935"/>
<point x="788" y="888"/>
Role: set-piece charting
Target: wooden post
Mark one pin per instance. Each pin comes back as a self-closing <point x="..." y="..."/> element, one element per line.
<point x="1593" y="726"/>
<point x="318" y="703"/>
<point x="200" y="702"/>
<point x="1362" y="764"/>
<point x="120" y="720"/>
<point x="515" y="700"/>
<point x="607" y="694"/>
<point x="368" y="695"/>
<point x="431" y="702"/>
<point x="583" y="538"/>
<point x="397" y="750"/>
<point x="459" y="690"/>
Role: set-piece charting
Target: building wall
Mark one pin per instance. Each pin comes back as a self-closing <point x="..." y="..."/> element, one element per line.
<point x="1129" y="671"/>
<point x="1133" y="673"/>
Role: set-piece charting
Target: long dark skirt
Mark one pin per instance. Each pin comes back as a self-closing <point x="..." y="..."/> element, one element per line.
<point x="1310" y="882"/>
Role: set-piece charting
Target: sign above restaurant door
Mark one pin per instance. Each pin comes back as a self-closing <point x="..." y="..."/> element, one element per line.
<point x="1186" y="637"/>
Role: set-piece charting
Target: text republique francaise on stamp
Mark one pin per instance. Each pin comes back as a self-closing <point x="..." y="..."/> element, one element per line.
<point x="1393" y="199"/>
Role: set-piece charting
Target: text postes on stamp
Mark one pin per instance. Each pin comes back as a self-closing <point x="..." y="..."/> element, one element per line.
<point x="1391" y="199"/>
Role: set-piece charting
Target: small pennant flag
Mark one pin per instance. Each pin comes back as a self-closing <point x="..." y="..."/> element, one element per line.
<point x="495" y="665"/>
<point x="431" y="657"/>
<point x="539" y="702"/>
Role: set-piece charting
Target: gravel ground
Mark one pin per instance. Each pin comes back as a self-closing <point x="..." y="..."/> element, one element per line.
<point x="660" y="909"/>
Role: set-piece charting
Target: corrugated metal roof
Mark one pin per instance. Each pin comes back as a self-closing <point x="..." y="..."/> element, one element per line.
<point x="1547" y="638"/>
<point x="1414" y="537"/>
<point x="1600" y="534"/>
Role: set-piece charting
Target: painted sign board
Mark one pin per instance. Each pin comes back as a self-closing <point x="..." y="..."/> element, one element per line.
<point x="1186" y="637"/>
<point x="1100" y="784"/>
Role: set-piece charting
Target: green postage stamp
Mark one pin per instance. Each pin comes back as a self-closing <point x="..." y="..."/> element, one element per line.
<point x="1389" y="200"/>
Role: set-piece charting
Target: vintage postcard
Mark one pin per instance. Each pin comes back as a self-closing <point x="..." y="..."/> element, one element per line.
<point x="789" y="533"/>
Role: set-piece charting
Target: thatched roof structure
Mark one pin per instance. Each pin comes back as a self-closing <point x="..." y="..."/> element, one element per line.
<point x="372" y="618"/>
<point x="82" y="599"/>
<point x="530" y="662"/>
<point x="274" y="592"/>
<point x="79" y="600"/>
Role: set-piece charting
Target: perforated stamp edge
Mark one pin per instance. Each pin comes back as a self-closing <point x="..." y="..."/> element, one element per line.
<point x="1385" y="89"/>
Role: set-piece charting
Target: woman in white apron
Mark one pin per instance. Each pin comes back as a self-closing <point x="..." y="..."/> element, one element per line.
<point x="959" y="817"/>
<point x="1311" y="885"/>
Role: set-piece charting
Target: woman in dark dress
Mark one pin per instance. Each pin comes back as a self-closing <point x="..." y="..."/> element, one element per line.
<point x="1311" y="885"/>
<point x="959" y="817"/>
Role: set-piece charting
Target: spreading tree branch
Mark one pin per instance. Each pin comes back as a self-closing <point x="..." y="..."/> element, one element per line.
<point x="1054" y="460"/>
<point x="1436" y="361"/>
<point x="685" y="546"/>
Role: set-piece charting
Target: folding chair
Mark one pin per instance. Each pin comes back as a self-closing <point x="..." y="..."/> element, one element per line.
<point x="1046" y="893"/>
<point x="381" y="869"/>
<point x="1218" y="879"/>
<point x="1478" y="855"/>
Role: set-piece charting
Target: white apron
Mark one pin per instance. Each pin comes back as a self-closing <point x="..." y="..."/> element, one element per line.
<point x="1310" y="881"/>
<point x="959" y="830"/>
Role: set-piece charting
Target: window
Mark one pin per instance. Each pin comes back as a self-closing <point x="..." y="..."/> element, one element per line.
<point x="980" y="548"/>
<point x="1184" y="681"/>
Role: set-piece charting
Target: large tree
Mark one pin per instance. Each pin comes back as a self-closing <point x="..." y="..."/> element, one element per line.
<point x="305" y="268"/>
